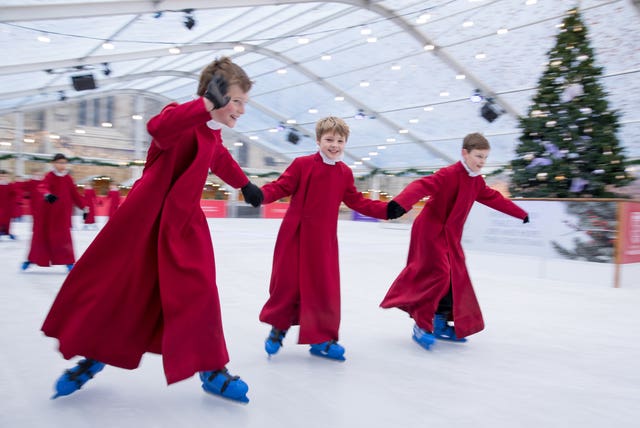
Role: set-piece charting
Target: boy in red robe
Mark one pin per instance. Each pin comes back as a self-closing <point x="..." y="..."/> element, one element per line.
<point x="90" y="200"/>
<point x="147" y="282"/>
<point x="305" y="278"/>
<point x="434" y="287"/>
<point x="8" y="196"/>
<point x="51" y="242"/>
<point x="113" y="196"/>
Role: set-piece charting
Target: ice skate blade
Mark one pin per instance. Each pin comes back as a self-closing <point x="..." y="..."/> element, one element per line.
<point x="242" y="400"/>
<point x="326" y="357"/>
<point x="448" y="339"/>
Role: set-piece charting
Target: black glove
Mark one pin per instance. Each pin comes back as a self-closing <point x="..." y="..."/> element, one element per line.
<point x="84" y="215"/>
<point x="394" y="210"/>
<point x="252" y="194"/>
<point x="526" y="219"/>
<point x="50" y="198"/>
<point x="217" y="91"/>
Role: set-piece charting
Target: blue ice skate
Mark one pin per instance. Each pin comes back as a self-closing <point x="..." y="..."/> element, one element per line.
<point x="220" y="382"/>
<point x="25" y="265"/>
<point x="274" y="342"/>
<point x="69" y="267"/>
<point x="73" y="379"/>
<point x="423" y="337"/>
<point x="330" y="349"/>
<point x="444" y="331"/>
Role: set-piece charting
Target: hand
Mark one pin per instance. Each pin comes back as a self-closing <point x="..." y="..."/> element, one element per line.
<point x="84" y="215"/>
<point x="394" y="210"/>
<point x="526" y="219"/>
<point x="50" y="198"/>
<point x="252" y="194"/>
<point x="217" y="91"/>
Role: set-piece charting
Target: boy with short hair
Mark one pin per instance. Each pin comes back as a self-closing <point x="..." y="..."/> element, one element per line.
<point x="305" y="278"/>
<point x="434" y="288"/>
<point x="147" y="282"/>
<point x="51" y="242"/>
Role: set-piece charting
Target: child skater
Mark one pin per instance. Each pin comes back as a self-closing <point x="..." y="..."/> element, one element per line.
<point x="8" y="196"/>
<point x="113" y="196"/>
<point x="51" y="242"/>
<point x="90" y="199"/>
<point x="434" y="287"/>
<point x="147" y="282"/>
<point x="305" y="277"/>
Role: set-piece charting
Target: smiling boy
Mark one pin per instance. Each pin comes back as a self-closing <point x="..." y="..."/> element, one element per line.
<point x="434" y="288"/>
<point x="305" y="278"/>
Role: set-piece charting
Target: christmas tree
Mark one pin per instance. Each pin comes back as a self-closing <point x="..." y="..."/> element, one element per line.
<point x="569" y="147"/>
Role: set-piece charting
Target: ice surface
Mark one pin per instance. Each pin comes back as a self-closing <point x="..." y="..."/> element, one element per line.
<point x="553" y="354"/>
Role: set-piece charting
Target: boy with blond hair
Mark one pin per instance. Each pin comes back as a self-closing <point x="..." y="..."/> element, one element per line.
<point x="305" y="277"/>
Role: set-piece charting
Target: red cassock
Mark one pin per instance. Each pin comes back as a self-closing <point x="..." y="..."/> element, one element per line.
<point x="305" y="277"/>
<point x="114" y="201"/>
<point x="436" y="259"/>
<point x="90" y="200"/>
<point x="8" y="196"/>
<point x="147" y="282"/>
<point x="51" y="242"/>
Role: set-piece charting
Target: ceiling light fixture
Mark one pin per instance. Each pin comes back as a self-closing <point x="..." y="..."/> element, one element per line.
<point x="189" y="21"/>
<point x="476" y="96"/>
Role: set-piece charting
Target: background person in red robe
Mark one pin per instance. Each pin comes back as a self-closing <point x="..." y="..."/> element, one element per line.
<point x="434" y="287"/>
<point x="8" y="196"/>
<point x="147" y="282"/>
<point x="113" y="196"/>
<point x="305" y="277"/>
<point x="51" y="242"/>
<point x="90" y="200"/>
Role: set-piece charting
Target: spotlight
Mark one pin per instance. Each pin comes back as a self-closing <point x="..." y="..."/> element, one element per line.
<point x="490" y="111"/>
<point x="476" y="96"/>
<point x="189" y="20"/>
<point x="62" y="96"/>
<point x="106" y="70"/>
<point x="293" y="137"/>
<point x="360" y="115"/>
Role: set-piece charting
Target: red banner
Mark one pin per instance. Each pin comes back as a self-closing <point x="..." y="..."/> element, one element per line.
<point x="629" y="233"/>
<point x="275" y="210"/>
<point x="214" y="208"/>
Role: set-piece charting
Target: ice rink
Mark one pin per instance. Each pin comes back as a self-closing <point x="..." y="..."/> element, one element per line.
<point x="553" y="354"/>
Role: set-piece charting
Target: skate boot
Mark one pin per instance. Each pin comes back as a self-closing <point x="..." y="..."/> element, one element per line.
<point x="25" y="265"/>
<point x="220" y="382"/>
<point x="443" y="331"/>
<point x="73" y="379"/>
<point x="423" y="337"/>
<point x="274" y="342"/>
<point x="330" y="349"/>
<point x="69" y="267"/>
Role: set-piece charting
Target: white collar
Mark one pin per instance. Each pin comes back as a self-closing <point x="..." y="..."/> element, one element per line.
<point x="60" y="174"/>
<point x="471" y="173"/>
<point x="328" y="161"/>
<point x="214" y="125"/>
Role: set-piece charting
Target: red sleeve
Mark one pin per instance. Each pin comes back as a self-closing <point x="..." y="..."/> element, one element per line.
<point x="175" y="119"/>
<point x="418" y="189"/>
<point x="357" y="202"/>
<point x="225" y="166"/>
<point x="75" y="195"/>
<point x="494" y="199"/>
<point x="285" y="185"/>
